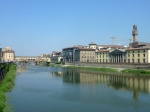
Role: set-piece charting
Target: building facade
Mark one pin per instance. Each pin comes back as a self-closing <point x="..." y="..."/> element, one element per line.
<point x="45" y="57"/>
<point x="56" y="57"/>
<point x="102" y="56"/>
<point x="69" y="53"/>
<point x="85" y="55"/>
<point x="8" y="54"/>
<point x="26" y="58"/>
<point x="138" y="55"/>
<point x="137" y="52"/>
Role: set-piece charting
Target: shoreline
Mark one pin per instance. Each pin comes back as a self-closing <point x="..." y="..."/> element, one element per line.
<point x="6" y="86"/>
<point x="137" y="72"/>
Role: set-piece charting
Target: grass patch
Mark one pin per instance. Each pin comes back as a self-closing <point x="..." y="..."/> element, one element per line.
<point x="93" y="68"/>
<point x="55" y="65"/>
<point x="134" y="71"/>
<point x="6" y="85"/>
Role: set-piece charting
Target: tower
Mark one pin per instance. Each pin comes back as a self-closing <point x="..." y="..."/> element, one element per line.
<point x="135" y="33"/>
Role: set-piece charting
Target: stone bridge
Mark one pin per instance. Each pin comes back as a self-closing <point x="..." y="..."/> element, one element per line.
<point x="26" y="58"/>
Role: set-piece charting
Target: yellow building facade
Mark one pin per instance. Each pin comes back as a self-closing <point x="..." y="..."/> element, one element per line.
<point x="102" y="56"/>
<point x="8" y="54"/>
<point x="85" y="55"/>
<point x="138" y="55"/>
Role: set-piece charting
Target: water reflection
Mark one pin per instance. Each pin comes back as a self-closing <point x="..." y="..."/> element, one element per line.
<point x="44" y="89"/>
<point x="71" y="76"/>
<point x="57" y="73"/>
<point x="21" y="69"/>
<point x="135" y="84"/>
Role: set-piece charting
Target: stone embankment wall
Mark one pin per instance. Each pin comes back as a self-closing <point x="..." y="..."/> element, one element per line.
<point x="114" y="65"/>
<point x="3" y="72"/>
<point x="4" y="67"/>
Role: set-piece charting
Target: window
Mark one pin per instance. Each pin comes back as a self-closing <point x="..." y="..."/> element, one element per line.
<point x="138" y="60"/>
<point x="138" y="51"/>
<point x="128" y="60"/>
<point x="128" y="55"/>
<point x="133" y="51"/>
<point x="143" y="60"/>
<point x="144" y="51"/>
<point x="106" y="60"/>
<point x="143" y="55"/>
<point x="132" y="60"/>
<point x="100" y="60"/>
<point x="103" y="60"/>
<point x="132" y="55"/>
<point x="138" y="55"/>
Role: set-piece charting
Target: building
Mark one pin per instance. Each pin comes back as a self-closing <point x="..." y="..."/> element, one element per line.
<point x="85" y="55"/>
<point x="102" y="56"/>
<point x="138" y="52"/>
<point x="56" y="57"/>
<point x="45" y="57"/>
<point x="69" y="53"/>
<point x="138" y="55"/>
<point x="8" y="54"/>
<point x="111" y="53"/>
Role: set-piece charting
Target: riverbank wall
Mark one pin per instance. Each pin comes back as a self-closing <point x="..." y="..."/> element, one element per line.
<point x="4" y="67"/>
<point x="145" y="66"/>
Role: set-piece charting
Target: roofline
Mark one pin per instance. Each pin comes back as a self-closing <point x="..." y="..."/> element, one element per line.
<point x="138" y="49"/>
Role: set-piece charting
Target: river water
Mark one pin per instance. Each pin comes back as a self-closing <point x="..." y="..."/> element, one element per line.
<point x="54" y="89"/>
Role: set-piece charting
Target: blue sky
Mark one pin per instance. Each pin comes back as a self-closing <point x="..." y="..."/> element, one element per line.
<point x="34" y="27"/>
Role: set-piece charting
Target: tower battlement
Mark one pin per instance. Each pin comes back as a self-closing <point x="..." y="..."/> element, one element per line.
<point x="135" y="33"/>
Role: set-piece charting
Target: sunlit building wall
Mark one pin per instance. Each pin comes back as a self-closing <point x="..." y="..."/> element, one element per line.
<point x="8" y="54"/>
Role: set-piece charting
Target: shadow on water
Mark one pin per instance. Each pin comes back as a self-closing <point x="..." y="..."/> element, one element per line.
<point x="135" y="84"/>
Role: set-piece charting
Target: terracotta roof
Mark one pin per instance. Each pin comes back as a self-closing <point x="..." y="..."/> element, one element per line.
<point x="137" y="49"/>
<point x="86" y="49"/>
<point x="78" y="46"/>
<point x="8" y="50"/>
<point x="103" y="51"/>
<point x="114" y="46"/>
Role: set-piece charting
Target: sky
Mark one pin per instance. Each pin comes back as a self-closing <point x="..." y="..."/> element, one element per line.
<point x="35" y="27"/>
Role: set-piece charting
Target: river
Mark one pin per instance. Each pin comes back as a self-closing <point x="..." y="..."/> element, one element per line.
<point x="54" y="89"/>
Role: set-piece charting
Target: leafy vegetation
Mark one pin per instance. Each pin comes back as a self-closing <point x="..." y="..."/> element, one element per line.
<point x="93" y="68"/>
<point x="55" y="64"/>
<point x="134" y="71"/>
<point x="7" y="84"/>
